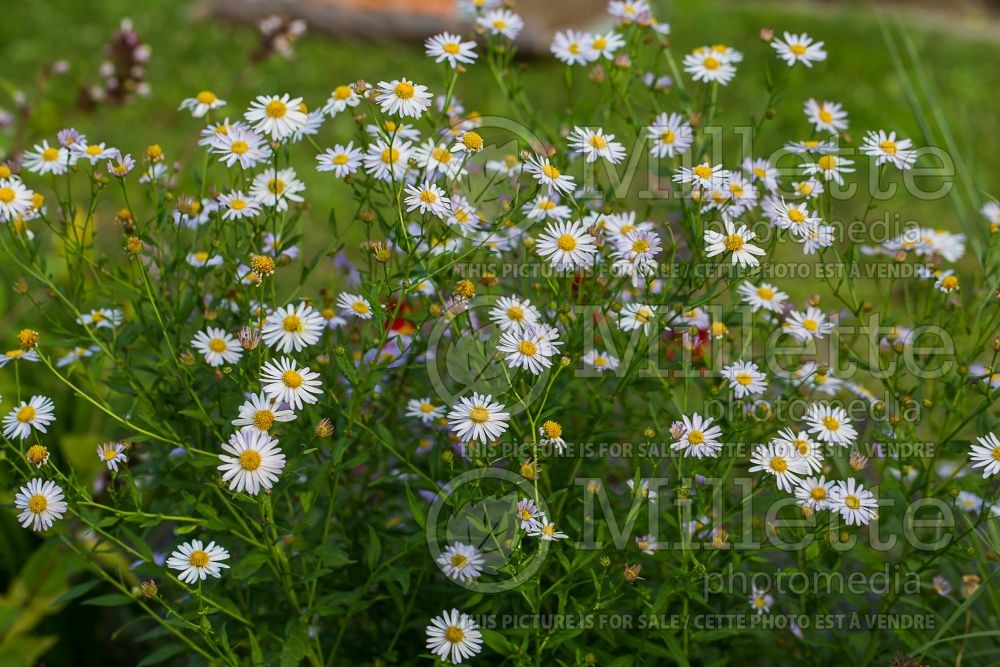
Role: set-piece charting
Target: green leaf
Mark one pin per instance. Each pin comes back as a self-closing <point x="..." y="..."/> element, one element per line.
<point x="374" y="548"/>
<point x="109" y="600"/>
<point x="248" y="565"/>
<point x="296" y="643"/>
<point x="416" y="509"/>
<point x="161" y="654"/>
<point x="75" y="592"/>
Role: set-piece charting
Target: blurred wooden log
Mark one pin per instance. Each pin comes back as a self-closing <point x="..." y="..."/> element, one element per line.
<point x="410" y="20"/>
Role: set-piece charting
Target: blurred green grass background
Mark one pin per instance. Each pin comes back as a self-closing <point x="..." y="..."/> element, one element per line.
<point x="189" y="54"/>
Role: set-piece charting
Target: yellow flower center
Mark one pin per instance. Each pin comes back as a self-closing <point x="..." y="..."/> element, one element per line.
<point x="696" y="437"/>
<point x="340" y="159"/>
<point x="819" y="493"/>
<point x="828" y="162"/>
<point x="546" y="204"/>
<point x="810" y="325"/>
<point x="472" y="141"/>
<point x="427" y="408"/>
<point x="996" y="453"/>
<point x="428" y="196"/>
<point x="668" y="136"/>
<point x="549" y="529"/>
<point x="109" y="453"/>
<point x="805" y="188"/>
<point x="292" y="379"/>
<point x="600" y="44"/>
<point x="250" y="460"/>
<point x="566" y="242"/>
<point x="949" y="282"/>
<point x="276" y="109"/>
<point x="779" y="464"/>
<point x="50" y="154"/>
<point x="802" y="446"/>
<point x="206" y="97"/>
<point x="640" y="245"/>
<point x="600" y="361"/>
<point x="341" y="93"/>
<point x="237" y="204"/>
<point x="825" y="115"/>
<point x="239" y="147"/>
<point x="796" y="216"/>
<point x="276" y="186"/>
<point x="702" y="171"/>
<point x="516" y="313"/>
<point x="37" y="503"/>
<point x="831" y="423"/>
<point x="458" y="560"/>
<point x="797" y="49"/>
<point x="499" y="24"/>
<point x="454" y="634"/>
<point x="598" y="142"/>
<point x="479" y="414"/>
<point x="217" y="345"/>
<point x="26" y="414"/>
<point x="642" y="315"/>
<point x="552" y="429"/>
<point x="37" y="454"/>
<point x="744" y="378"/>
<point x="7" y="195"/>
<point x="765" y="293"/>
<point x="711" y="63"/>
<point x="527" y="348"/>
<point x="759" y="173"/>
<point x="390" y="155"/>
<point x="292" y="324"/>
<point x="93" y="149"/>
<point x="852" y="502"/>
<point x="198" y="558"/>
<point x="734" y="242"/>
<point x="551" y="172"/>
<point x="263" y="419"/>
<point x="360" y="307"/>
<point x="451" y="48"/>
<point x="404" y="90"/>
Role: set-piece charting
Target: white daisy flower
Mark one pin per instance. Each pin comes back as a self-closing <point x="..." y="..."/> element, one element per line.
<point x="41" y="502"/>
<point x="435" y="157"/>
<point x="354" y="305"/>
<point x="424" y="409"/>
<point x="887" y="148"/>
<point x="402" y="97"/>
<point x="196" y="561"/>
<point x="831" y="424"/>
<point x="604" y="46"/>
<point x="760" y="601"/>
<point x="670" y="135"/>
<point x="76" y="354"/>
<point x="812" y="324"/>
<point x="284" y="382"/>
<point x="644" y="490"/>
<point x="446" y="46"/>
<point x="572" y="47"/>
<point x="735" y="241"/>
<point x="241" y="145"/>
<point x="854" y="504"/>
<point x="238" y="206"/>
<point x="744" y="378"/>
<point x="428" y="198"/>
<point x="636" y="316"/>
<point x="101" y="318"/>
<point x="986" y="454"/>
<point x="594" y="144"/>
<point x="546" y="207"/>
<point x="704" y="64"/>
<point x="703" y="175"/>
<point x="255" y="461"/>
<point x="811" y="147"/>
<point x="761" y="171"/>
<point x="93" y="153"/>
<point x="990" y="211"/>
<point x="15" y="199"/>
<point x="528" y="514"/>
<point x="796" y="218"/>
<point x="817" y="237"/>
<point x="202" y="103"/>
<point x="808" y="189"/>
<point x="830" y="167"/>
<point x="277" y="116"/>
<point x="545" y="173"/>
<point x="600" y="360"/>
<point x="780" y="459"/>
<point x="646" y="544"/>
<point x="826" y="116"/>
<point x="201" y="259"/>
<point x="546" y="530"/>
<point x="478" y="418"/>
<point x="969" y="501"/>
<point x="566" y="245"/>
<point x="628" y="10"/>
<point x="501" y="22"/>
<point x="275" y="189"/>
<point x="18" y="354"/>
<point x="36" y="413"/>
<point x="260" y="412"/>
<point x="808" y="451"/>
<point x="765" y="296"/>
<point x="699" y="437"/>
<point x="799" y="49"/>
<point x="814" y="492"/>
<point x="511" y="313"/>
<point x="635" y="255"/>
<point x="45" y="159"/>
<point x="454" y="637"/>
<point x="387" y="163"/>
<point x="530" y="348"/>
<point x="218" y="346"/>
<point x="292" y="328"/>
<point x="461" y="562"/>
<point x="341" y="160"/>
<point x="112" y="453"/>
<point x="342" y="98"/>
